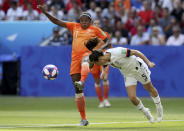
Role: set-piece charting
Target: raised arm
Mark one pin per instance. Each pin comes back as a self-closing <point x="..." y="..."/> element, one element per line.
<point x="52" y="18"/>
<point x="142" y="56"/>
<point x="106" y="45"/>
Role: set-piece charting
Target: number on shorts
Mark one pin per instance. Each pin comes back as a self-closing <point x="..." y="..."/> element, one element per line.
<point x="144" y="77"/>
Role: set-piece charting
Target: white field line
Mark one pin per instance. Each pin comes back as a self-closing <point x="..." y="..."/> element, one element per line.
<point x="62" y="125"/>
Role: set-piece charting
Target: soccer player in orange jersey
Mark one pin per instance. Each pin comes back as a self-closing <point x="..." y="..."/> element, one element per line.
<point x="96" y="70"/>
<point x="81" y="32"/>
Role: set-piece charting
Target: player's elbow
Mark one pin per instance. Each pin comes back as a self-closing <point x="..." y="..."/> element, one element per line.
<point x="105" y="40"/>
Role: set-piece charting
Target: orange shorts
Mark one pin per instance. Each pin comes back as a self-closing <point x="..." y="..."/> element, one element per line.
<point x="96" y="70"/>
<point x="76" y="64"/>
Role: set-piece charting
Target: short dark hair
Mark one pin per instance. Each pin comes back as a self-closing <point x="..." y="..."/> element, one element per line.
<point x="86" y="14"/>
<point x="92" y="43"/>
<point x="94" y="56"/>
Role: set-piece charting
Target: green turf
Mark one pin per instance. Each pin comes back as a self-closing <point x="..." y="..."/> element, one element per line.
<point x="49" y="114"/>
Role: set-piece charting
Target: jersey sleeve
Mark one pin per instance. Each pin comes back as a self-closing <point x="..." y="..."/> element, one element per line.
<point x="125" y="52"/>
<point x="70" y="26"/>
<point x="100" y="34"/>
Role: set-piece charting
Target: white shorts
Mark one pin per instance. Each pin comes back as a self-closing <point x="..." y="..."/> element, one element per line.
<point x="141" y="74"/>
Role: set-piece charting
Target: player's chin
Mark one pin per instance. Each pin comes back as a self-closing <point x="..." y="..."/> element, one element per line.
<point x="85" y="26"/>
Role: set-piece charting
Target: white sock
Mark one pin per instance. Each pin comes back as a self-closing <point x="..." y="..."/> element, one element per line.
<point x="156" y="100"/>
<point x="140" y="106"/>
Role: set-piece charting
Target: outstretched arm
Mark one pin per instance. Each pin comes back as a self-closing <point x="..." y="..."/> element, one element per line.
<point x="142" y="56"/>
<point x="52" y="18"/>
<point x="106" y="45"/>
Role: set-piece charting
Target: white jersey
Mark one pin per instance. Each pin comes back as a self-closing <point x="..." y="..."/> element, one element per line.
<point x="126" y="64"/>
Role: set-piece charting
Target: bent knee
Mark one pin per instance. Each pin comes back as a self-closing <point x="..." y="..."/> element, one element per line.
<point x="97" y="81"/>
<point x="149" y="87"/>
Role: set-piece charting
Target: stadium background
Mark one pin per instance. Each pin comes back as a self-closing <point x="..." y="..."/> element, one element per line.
<point x="21" y="42"/>
<point x="23" y="54"/>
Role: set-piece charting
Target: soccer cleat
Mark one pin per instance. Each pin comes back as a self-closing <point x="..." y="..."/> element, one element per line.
<point x="159" y="112"/>
<point x="79" y="85"/>
<point x="106" y="103"/>
<point x="148" y="115"/>
<point x="101" y="105"/>
<point x="83" y="123"/>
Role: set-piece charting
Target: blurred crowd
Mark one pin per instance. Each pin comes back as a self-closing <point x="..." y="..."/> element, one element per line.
<point x="134" y="22"/>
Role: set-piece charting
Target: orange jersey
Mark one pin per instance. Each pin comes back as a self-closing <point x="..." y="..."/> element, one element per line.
<point x="80" y="36"/>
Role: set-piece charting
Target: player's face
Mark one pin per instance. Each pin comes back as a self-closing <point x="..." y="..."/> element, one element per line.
<point x="96" y="23"/>
<point x="85" y="22"/>
<point x="101" y="61"/>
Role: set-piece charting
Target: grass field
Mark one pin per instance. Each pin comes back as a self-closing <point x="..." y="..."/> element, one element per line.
<point x="60" y="114"/>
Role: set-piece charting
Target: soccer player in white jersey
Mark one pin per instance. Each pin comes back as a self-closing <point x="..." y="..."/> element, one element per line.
<point x="133" y="65"/>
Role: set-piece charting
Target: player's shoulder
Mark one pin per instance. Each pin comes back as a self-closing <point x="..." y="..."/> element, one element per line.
<point x="115" y="50"/>
<point x="78" y="24"/>
<point x="94" y="27"/>
<point x="110" y="50"/>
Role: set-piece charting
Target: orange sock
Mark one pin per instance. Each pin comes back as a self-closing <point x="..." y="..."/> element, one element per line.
<point x="106" y="89"/>
<point x="81" y="107"/>
<point x="99" y="92"/>
<point x="84" y="72"/>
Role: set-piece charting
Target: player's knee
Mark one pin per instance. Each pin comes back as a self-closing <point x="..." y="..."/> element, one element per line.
<point x="97" y="81"/>
<point x="149" y="87"/>
<point x="97" y="85"/>
<point x="105" y="82"/>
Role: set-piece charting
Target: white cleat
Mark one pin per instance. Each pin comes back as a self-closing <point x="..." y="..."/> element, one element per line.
<point x="159" y="112"/>
<point x="148" y="115"/>
<point x="101" y="105"/>
<point x="106" y="103"/>
<point x="83" y="123"/>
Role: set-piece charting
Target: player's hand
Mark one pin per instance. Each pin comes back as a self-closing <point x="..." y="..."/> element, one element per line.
<point x="41" y="7"/>
<point x="151" y="64"/>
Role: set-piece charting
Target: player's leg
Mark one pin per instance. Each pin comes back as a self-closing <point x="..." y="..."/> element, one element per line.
<point x="98" y="90"/>
<point x="84" y="69"/>
<point x="80" y="100"/>
<point x="130" y="84"/>
<point x="106" y="89"/>
<point x="84" y="72"/>
<point x="155" y="96"/>
<point x="96" y="75"/>
<point x="79" y="95"/>
<point x="143" y="76"/>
